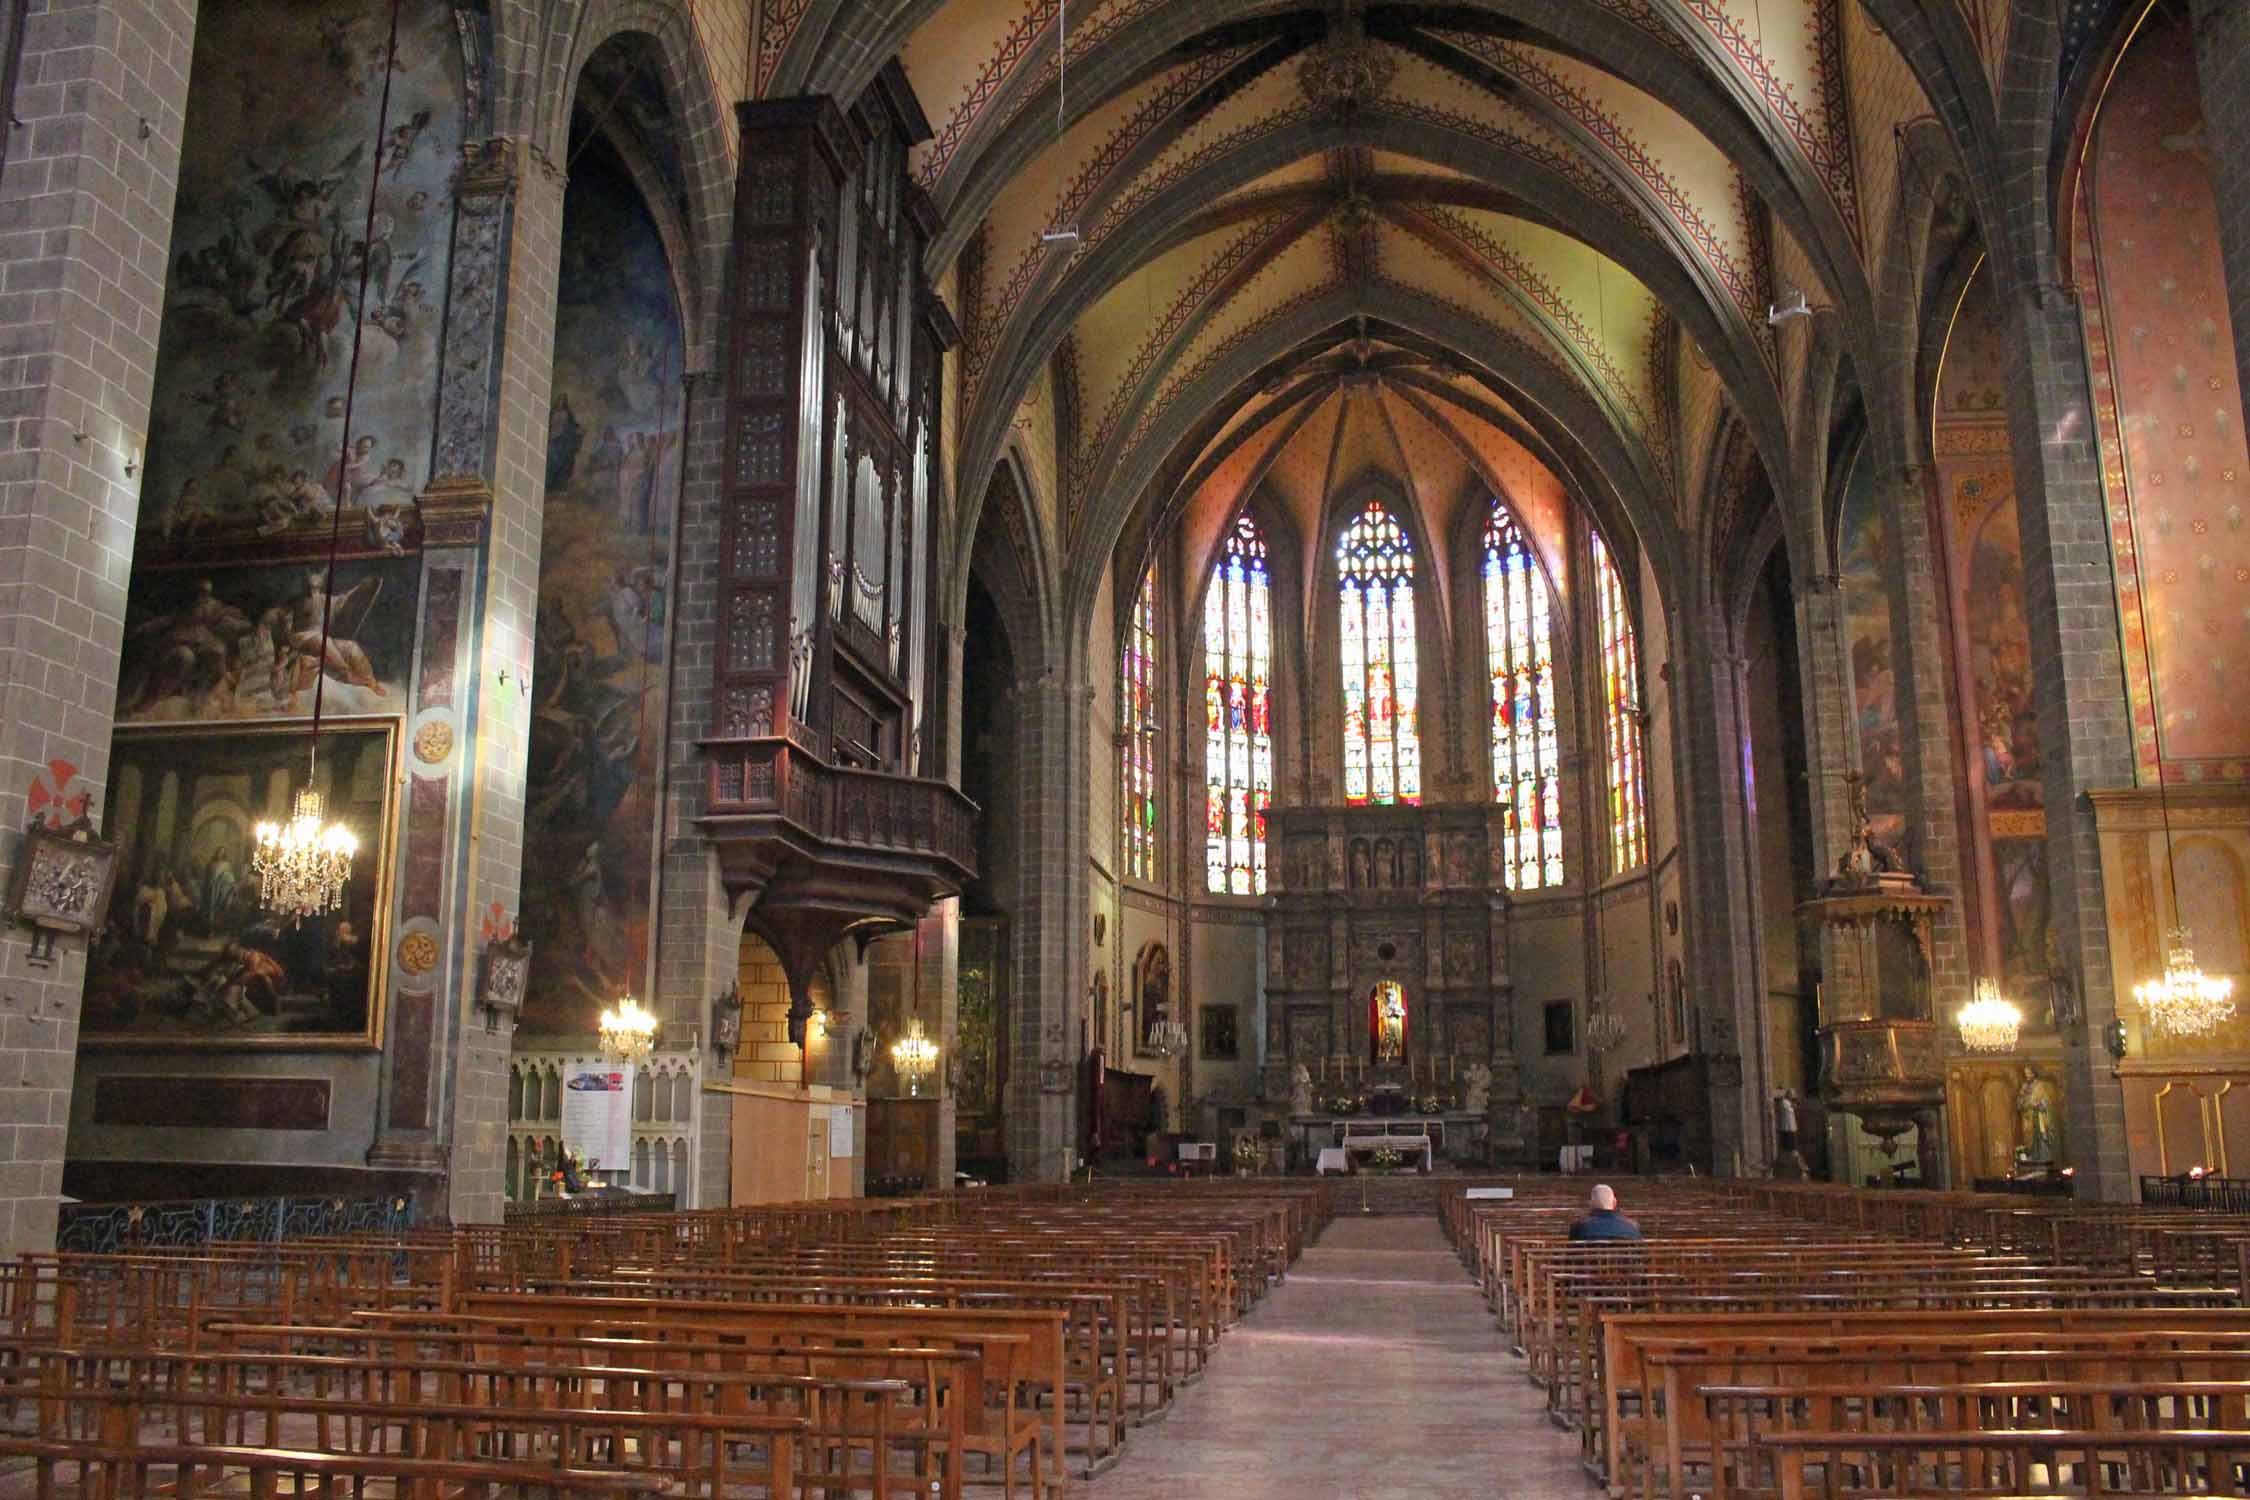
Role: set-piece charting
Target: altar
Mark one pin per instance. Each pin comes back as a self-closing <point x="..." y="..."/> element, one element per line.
<point x="1339" y="1142"/>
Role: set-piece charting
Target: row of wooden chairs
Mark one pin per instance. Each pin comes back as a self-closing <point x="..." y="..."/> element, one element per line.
<point x="1768" y="1340"/>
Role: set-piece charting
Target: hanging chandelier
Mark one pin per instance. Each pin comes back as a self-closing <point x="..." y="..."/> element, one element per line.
<point x="1167" y="1037"/>
<point x="628" y="1032"/>
<point x="2184" y="1001"/>
<point x="1988" y="1023"/>
<point x="303" y="865"/>
<point x="1605" y="1028"/>
<point x="915" y="1056"/>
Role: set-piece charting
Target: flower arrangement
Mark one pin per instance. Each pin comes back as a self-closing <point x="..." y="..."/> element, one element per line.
<point x="1384" y="1159"/>
<point x="1245" y="1154"/>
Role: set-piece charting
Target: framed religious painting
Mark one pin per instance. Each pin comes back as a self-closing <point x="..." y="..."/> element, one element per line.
<point x="189" y="956"/>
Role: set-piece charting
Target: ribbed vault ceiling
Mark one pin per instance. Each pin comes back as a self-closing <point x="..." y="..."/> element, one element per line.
<point x="1473" y="240"/>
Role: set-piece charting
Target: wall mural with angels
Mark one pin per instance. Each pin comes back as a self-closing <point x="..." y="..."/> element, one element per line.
<point x="269" y="247"/>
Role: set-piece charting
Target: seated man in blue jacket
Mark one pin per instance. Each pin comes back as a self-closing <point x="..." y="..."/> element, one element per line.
<point x="1602" y="1221"/>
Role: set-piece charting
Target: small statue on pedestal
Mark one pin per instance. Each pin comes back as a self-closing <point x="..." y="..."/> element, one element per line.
<point x="1476" y="1089"/>
<point x="1300" y="1090"/>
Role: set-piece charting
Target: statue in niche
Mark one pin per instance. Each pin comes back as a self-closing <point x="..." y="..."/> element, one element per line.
<point x="1360" y="878"/>
<point x="1300" y="1090"/>
<point x="1410" y="865"/>
<point x="1390" y="1022"/>
<point x="1476" y="1088"/>
<point x="1386" y="864"/>
<point x="2035" y="1117"/>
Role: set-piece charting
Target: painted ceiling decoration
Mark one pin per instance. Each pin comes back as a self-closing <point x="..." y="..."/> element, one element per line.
<point x="1515" y="224"/>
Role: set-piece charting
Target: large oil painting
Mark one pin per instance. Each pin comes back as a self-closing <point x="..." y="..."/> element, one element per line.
<point x="203" y="644"/>
<point x="286" y="138"/>
<point x="603" y="630"/>
<point x="1864" y="554"/>
<point x="189" y="956"/>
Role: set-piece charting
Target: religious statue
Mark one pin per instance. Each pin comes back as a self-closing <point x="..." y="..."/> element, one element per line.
<point x="2035" y="1117"/>
<point x="1390" y="1023"/>
<point x="1476" y="1089"/>
<point x="1300" y="1090"/>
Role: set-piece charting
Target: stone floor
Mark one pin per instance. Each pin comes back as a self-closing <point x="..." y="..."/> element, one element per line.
<point x="1373" y="1371"/>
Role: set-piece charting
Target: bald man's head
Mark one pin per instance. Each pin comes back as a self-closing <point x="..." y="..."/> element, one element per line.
<point x="1603" y="1198"/>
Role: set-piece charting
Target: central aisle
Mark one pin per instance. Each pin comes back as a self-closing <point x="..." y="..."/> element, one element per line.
<point x="1374" y="1371"/>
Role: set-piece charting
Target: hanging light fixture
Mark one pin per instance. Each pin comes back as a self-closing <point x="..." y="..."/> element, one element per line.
<point x="1988" y="1023"/>
<point x="1605" y="1029"/>
<point x="628" y="1032"/>
<point x="304" y="864"/>
<point x="2184" y="1001"/>
<point x="914" y="1055"/>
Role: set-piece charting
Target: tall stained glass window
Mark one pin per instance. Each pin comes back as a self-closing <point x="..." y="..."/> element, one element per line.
<point x="1137" y="712"/>
<point x="1375" y="574"/>
<point x="1621" y="717"/>
<point x="1520" y="656"/>
<point x="1238" y="714"/>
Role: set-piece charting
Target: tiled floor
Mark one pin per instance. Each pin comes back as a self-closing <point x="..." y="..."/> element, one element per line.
<point x="1373" y="1371"/>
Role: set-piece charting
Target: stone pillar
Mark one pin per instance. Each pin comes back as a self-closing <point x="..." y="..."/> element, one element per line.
<point x="1721" y="952"/>
<point x="2222" y="64"/>
<point x="1847" y="979"/>
<point x="2085" y="736"/>
<point x="492" y="433"/>
<point x="1926" y="727"/>
<point x="85" y="232"/>
<point x="1047" y="930"/>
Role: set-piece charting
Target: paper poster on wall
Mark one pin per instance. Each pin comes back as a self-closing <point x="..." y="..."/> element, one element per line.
<point x="840" y="1131"/>
<point x="597" y="1115"/>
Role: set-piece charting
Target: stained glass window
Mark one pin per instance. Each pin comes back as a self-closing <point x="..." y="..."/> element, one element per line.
<point x="1621" y="717"/>
<point x="1238" y="715"/>
<point x="1519" y="654"/>
<point x="1137" y="711"/>
<point x="1375" y="574"/>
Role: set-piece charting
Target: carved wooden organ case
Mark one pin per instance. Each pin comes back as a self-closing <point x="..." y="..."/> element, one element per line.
<point x="826" y="675"/>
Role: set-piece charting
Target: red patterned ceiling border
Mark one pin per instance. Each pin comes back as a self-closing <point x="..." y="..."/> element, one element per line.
<point x="777" y="23"/>
<point x="1662" y="358"/>
<point x="1758" y="232"/>
<point x="1827" y="143"/>
<point x="1521" y="63"/>
<point x="1087" y="35"/>
<point x="1650" y="20"/>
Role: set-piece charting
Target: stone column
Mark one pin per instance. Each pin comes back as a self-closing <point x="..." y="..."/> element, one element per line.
<point x="492" y="453"/>
<point x="2222" y="65"/>
<point x="1714" y="832"/>
<point x="2085" y="738"/>
<point x="1926" y="727"/>
<point x="1047" y="929"/>
<point x="1847" y="980"/>
<point x="85" y="230"/>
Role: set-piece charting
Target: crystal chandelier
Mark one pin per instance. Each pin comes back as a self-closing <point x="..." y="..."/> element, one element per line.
<point x="301" y="865"/>
<point x="2185" y="1001"/>
<point x="1605" y="1029"/>
<point x="628" y="1032"/>
<point x="1988" y="1023"/>
<point x="1167" y="1038"/>
<point x="915" y="1057"/>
